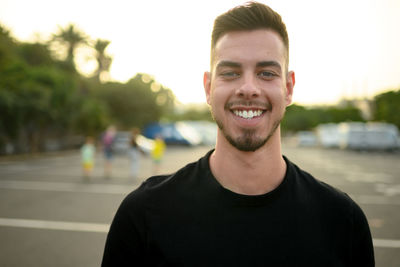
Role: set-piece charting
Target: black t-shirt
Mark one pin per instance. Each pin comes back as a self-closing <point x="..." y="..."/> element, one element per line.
<point x="189" y="219"/>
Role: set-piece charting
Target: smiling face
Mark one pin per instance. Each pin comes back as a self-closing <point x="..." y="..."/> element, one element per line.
<point x="248" y="87"/>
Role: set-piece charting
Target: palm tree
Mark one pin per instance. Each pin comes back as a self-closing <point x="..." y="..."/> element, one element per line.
<point x="103" y="60"/>
<point x="72" y="38"/>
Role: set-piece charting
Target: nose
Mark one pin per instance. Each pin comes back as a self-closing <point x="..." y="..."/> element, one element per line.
<point x="248" y="89"/>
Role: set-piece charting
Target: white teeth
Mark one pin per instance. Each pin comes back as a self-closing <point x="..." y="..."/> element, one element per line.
<point x="248" y="114"/>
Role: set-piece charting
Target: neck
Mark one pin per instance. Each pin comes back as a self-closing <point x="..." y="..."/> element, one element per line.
<point x="248" y="173"/>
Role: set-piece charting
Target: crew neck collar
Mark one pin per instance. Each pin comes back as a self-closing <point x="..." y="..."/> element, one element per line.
<point x="241" y="199"/>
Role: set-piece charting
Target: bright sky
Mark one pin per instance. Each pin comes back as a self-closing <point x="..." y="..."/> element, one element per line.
<point x="341" y="48"/>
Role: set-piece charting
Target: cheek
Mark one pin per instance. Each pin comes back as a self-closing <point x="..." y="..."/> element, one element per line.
<point x="276" y="94"/>
<point x="278" y="101"/>
<point x="217" y="95"/>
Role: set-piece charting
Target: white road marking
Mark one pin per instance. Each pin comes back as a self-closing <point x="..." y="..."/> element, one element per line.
<point x="103" y="228"/>
<point x="374" y="200"/>
<point x="125" y="189"/>
<point x="55" y="225"/>
<point x="388" y="189"/>
<point x="362" y="176"/>
<point x="67" y="187"/>
<point x="386" y="243"/>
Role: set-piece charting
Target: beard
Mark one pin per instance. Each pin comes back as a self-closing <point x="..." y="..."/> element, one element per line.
<point x="248" y="141"/>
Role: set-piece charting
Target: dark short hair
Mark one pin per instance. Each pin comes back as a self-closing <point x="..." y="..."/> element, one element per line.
<point x="247" y="17"/>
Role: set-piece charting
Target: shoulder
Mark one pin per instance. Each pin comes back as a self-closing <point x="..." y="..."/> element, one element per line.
<point x="161" y="188"/>
<point x="318" y="197"/>
<point x="330" y="206"/>
<point x="315" y="190"/>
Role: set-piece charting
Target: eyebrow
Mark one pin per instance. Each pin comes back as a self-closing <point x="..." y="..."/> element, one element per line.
<point x="227" y="63"/>
<point x="269" y="64"/>
<point x="233" y="64"/>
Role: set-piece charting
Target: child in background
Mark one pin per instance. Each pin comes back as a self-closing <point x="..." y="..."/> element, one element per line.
<point x="134" y="152"/>
<point x="107" y="142"/>
<point x="88" y="152"/>
<point x="157" y="153"/>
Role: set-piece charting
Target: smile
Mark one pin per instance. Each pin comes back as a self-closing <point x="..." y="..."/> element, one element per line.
<point x="248" y="114"/>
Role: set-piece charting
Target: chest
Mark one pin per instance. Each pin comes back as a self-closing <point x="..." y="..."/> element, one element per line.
<point x="275" y="234"/>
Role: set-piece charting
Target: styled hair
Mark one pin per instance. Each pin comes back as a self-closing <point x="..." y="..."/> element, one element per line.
<point x="247" y="17"/>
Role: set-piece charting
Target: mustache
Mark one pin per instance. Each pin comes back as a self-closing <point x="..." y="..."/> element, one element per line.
<point x="249" y="103"/>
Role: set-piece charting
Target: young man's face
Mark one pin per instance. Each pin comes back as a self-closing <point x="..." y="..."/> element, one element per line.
<point x="248" y="88"/>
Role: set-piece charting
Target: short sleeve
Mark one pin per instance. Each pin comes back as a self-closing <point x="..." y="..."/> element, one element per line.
<point x="125" y="240"/>
<point x="362" y="246"/>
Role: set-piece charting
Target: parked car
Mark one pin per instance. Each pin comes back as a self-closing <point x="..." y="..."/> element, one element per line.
<point x="121" y="144"/>
<point x="121" y="141"/>
<point x="306" y="138"/>
<point x="206" y="130"/>
<point x="368" y="136"/>
<point x="328" y="135"/>
<point x="173" y="133"/>
<point x="146" y="144"/>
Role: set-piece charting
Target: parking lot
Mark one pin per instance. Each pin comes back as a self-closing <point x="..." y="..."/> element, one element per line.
<point x="50" y="216"/>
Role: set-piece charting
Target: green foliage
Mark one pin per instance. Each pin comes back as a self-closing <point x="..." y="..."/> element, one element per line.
<point x="192" y="114"/>
<point x="35" y="54"/>
<point x="92" y="118"/>
<point x="41" y="97"/>
<point x="298" y="118"/>
<point x="135" y="104"/>
<point x="34" y="98"/>
<point x="7" y="47"/>
<point x="341" y="114"/>
<point x="387" y="107"/>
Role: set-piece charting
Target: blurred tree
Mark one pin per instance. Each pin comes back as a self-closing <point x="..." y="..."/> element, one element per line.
<point x="35" y="54"/>
<point x="191" y="114"/>
<point x="103" y="60"/>
<point x="7" y="48"/>
<point x="342" y="114"/>
<point x="135" y="103"/>
<point x="8" y="99"/>
<point x="40" y="98"/>
<point x="37" y="99"/>
<point x="298" y="118"/>
<point x="72" y="38"/>
<point x="387" y="107"/>
<point x="92" y="118"/>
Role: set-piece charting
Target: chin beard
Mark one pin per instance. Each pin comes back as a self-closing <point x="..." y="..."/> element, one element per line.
<point x="248" y="141"/>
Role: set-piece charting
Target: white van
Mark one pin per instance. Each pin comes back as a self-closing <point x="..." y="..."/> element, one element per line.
<point x="328" y="135"/>
<point x="368" y="136"/>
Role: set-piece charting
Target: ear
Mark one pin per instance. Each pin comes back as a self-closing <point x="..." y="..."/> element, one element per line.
<point x="207" y="86"/>
<point x="290" y="81"/>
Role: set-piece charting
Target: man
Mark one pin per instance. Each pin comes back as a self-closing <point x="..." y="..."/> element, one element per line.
<point x="242" y="204"/>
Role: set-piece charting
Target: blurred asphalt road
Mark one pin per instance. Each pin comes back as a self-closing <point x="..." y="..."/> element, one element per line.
<point x="49" y="216"/>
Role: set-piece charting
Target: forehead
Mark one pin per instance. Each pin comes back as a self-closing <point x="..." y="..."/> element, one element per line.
<point x="249" y="46"/>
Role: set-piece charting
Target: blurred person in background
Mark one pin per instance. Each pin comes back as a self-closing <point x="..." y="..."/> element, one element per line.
<point x="243" y="203"/>
<point x="157" y="153"/>
<point x="134" y="153"/>
<point x="107" y="144"/>
<point x="88" y="152"/>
